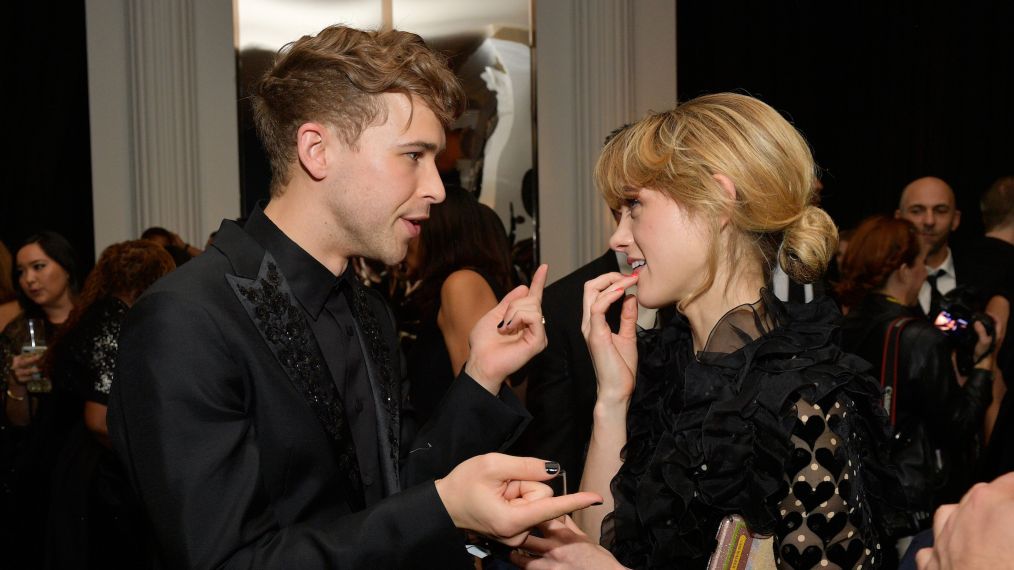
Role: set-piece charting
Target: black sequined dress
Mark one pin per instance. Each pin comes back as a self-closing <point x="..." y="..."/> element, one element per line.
<point x="94" y="520"/>
<point x="772" y="421"/>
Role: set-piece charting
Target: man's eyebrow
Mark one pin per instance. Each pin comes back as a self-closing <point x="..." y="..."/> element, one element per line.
<point x="432" y="147"/>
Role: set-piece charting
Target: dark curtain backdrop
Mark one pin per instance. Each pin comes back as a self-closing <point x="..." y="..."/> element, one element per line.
<point x="47" y="181"/>
<point x="885" y="92"/>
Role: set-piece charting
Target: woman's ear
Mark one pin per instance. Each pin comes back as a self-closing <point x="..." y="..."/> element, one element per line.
<point x="311" y="146"/>
<point x="730" y="193"/>
<point x="907" y="274"/>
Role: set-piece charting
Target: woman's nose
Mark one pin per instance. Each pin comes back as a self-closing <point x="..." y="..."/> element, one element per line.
<point x="620" y="239"/>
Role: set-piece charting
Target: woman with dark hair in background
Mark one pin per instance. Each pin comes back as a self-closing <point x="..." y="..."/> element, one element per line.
<point x="34" y="423"/>
<point x="463" y="260"/>
<point x="93" y="520"/>
<point x="46" y="274"/>
<point x="937" y="419"/>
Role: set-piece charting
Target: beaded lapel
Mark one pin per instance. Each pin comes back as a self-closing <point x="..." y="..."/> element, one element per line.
<point x="385" y="384"/>
<point x="270" y="304"/>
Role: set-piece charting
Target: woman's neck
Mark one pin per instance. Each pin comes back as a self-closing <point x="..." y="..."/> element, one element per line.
<point x="897" y="289"/>
<point x="705" y="311"/>
<point x="58" y="312"/>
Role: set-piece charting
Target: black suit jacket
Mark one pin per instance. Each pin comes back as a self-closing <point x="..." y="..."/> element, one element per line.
<point x="228" y="422"/>
<point x="561" y="382"/>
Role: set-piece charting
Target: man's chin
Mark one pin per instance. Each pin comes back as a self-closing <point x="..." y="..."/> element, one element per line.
<point x="394" y="257"/>
<point x="934" y="247"/>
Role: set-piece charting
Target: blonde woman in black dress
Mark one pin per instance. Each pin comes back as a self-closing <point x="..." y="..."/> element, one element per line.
<point x="742" y="405"/>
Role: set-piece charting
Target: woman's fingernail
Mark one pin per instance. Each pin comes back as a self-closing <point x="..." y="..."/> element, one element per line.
<point x="598" y="504"/>
<point x="500" y="326"/>
<point x="552" y="467"/>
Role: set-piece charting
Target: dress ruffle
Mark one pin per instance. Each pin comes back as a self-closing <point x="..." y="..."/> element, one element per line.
<point x="708" y="440"/>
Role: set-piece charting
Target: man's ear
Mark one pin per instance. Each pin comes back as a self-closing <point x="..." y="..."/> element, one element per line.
<point x="897" y="214"/>
<point x="312" y="140"/>
<point x="730" y="192"/>
<point x="957" y="219"/>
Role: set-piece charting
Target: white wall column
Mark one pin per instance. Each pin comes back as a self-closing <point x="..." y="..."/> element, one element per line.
<point x="599" y="64"/>
<point x="162" y="91"/>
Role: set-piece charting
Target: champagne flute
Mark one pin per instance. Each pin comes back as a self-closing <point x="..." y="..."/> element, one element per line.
<point x="35" y="343"/>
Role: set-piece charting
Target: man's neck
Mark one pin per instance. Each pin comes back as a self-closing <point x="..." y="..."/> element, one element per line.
<point x="306" y="225"/>
<point x="938" y="257"/>
<point x="1003" y="233"/>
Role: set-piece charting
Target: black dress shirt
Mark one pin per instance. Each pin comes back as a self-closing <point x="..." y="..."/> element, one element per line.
<point x="325" y="300"/>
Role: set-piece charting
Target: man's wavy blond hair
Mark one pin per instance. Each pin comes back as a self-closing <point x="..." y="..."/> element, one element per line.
<point x="335" y="77"/>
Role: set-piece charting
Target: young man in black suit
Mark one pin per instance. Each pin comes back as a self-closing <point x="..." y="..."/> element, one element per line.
<point x="258" y="393"/>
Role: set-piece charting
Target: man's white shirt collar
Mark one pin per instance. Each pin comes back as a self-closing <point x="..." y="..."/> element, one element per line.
<point x="945" y="282"/>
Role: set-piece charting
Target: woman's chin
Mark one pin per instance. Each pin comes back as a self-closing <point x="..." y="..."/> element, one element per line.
<point x="648" y="301"/>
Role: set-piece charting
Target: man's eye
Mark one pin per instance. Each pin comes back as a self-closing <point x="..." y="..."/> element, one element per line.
<point x="414" y="155"/>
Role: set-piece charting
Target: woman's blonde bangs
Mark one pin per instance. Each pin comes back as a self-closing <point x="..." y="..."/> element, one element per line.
<point x="630" y="160"/>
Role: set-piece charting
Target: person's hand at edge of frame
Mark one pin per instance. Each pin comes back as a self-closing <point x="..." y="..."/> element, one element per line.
<point x="974" y="534"/>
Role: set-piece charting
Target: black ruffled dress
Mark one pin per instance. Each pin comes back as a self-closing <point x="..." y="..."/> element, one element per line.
<point x="772" y="421"/>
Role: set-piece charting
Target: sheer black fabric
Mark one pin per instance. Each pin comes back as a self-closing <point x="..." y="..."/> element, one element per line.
<point x="771" y="421"/>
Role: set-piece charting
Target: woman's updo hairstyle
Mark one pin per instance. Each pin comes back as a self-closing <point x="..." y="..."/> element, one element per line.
<point x="678" y="152"/>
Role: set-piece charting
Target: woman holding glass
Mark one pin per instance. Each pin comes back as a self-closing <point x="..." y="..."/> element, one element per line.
<point x="742" y="405"/>
<point x="45" y="271"/>
<point x="35" y="423"/>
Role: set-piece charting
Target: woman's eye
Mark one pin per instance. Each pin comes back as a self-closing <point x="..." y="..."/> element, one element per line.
<point x="630" y="203"/>
<point x="39" y="266"/>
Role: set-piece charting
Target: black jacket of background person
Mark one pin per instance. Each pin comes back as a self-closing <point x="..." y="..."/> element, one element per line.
<point x="561" y="383"/>
<point x="989" y="266"/>
<point x="226" y="417"/>
<point x="928" y="394"/>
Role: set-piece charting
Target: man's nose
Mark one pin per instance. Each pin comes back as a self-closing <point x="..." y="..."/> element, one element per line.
<point x="431" y="186"/>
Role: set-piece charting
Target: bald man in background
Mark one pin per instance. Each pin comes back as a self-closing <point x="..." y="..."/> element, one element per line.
<point x="929" y="203"/>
